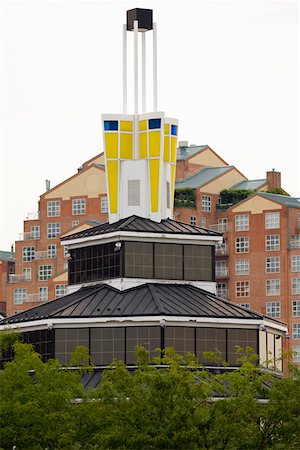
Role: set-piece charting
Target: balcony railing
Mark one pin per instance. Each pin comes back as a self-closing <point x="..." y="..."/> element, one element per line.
<point x="218" y="227"/>
<point x="222" y="250"/>
<point x="222" y="272"/>
<point x="14" y="278"/>
<point x="34" y="298"/>
<point x="43" y="254"/>
<point x="223" y="293"/>
<point x="295" y="243"/>
<point x="33" y="216"/>
<point x="29" y="235"/>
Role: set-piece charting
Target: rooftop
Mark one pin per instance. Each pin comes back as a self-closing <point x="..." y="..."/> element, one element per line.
<point x="186" y="152"/>
<point x="250" y="184"/>
<point x="150" y="299"/>
<point x="138" y="224"/>
<point x="202" y="177"/>
<point x="5" y="256"/>
<point x="286" y="200"/>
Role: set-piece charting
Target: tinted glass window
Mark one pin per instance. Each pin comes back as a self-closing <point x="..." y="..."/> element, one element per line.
<point x="182" y="339"/>
<point x="148" y="337"/>
<point x="198" y="263"/>
<point x="241" y="338"/>
<point x="168" y="261"/>
<point x="138" y="260"/>
<point x="211" y="340"/>
<point x="107" y="344"/>
<point x="154" y="123"/>
<point x="110" y="125"/>
<point x="67" y="339"/>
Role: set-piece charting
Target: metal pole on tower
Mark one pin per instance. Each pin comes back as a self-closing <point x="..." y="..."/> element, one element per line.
<point x="143" y="72"/>
<point x="154" y="67"/>
<point x="124" y="69"/>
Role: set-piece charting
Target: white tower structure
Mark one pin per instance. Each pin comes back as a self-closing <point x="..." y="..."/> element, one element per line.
<point x="140" y="148"/>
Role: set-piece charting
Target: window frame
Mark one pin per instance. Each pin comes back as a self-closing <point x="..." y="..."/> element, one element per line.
<point x="53" y="208"/>
<point x="53" y="230"/>
<point x="272" y="242"/>
<point x="272" y="264"/>
<point x="78" y="206"/>
<point x="242" y="289"/>
<point x="242" y="244"/>
<point x="245" y="265"/>
<point x="206" y="203"/>
<point x="45" y="272"/>
<point x="272" y="220"/>
<point x="273" y="287"/>
<point x="273" y="309"/>
<point x="241" y="222"/>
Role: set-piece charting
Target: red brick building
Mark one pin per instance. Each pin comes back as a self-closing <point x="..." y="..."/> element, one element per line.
<point x="258" y="264"/>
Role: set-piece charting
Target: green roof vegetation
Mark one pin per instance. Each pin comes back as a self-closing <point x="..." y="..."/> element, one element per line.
<point x="185" y="198"/>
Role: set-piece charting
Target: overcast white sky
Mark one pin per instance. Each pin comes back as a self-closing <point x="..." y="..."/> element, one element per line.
<point x="228" y="70"/>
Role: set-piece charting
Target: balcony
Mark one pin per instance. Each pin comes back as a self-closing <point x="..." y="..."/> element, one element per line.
<point x="29" y="235"/>
<point x="34" y="298"/>
<point x="14" y="278"/>
<point x="295" y="241"/>
<point x="33" y="216"/>
<point x="43" y="254"/>
<point x="222" y="250"/>
<point x="222" y="272"/>
<point x="218" y="227"/>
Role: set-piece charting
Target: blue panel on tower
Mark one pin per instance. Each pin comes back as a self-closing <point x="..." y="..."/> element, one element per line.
<point x="174" y="130"/>
<point x="154" y="123"/>
<point x="110" y="125"/>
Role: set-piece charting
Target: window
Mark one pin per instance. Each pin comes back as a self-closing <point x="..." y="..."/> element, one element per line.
<point x="272" y="220"/>
<point x="51" y="251"/>
<point x="242" y="244"/>
<point x="104" y="204"/>
<point x="35" y="232"/>
<point x="107" y="344"/>
<point x="53" y="229"/>
<point x="298" y="220"/>
<point x="20" y="295"/>
<point x="206" y="203"/>
<point x="222" y="225"/>
<point x="272" y="242"/>
<point x="242" y="222"/>
<point x="242" y="267"/>
<point x="78" y="206"/>
<point x="45" y="272"/>
<point x="242" y="289"/>
<point x="53" y="208"/>
<point x="296" y="308"/>
<point x="66" y="251"/>
<point x="210" y="340"/>
<point x="221" y="269"/>
<point x="272" y="287"/>
<point x="28" y="253"/>
<point x="154" y="123"/>
<point x="296" y="330"/>
<point x="43" y="294"/>
<point x="296" y="353"/>
<point x="110" y="125"/>
<point x="60" y="290"/>
<point x="295" y="285"/>
<point x="75" y="223"/>
<point x="273" y="264"/>
<point x="193" y="220"/>
<point x="273" y="309"/>
<point x="203" y="222"/>
<point x="222" y="290"/>
<point x="182" y="339"/>
<point x="296" y="263"/>
<point x="134" y="193"/>
<point x="149" y="337"/>
<point x="26" y="274"/>
<point x="245" y="305"/>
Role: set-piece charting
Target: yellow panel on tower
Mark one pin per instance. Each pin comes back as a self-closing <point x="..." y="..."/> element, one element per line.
<point x="173" y="173"/>
<point x="111" y="145"/>
<point x="154" y="183"/>
<point x="143" y="145"/>
<point x="126" y="146"/>
<point x="166" y="148"/>
<point x="173" y="148"/>
<point x="154" y="143"/>
<point x="113" y="184"/>
<point x="126" y="125"/>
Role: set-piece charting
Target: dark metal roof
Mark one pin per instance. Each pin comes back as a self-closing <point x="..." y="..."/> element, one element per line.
<point x="138" y="224"/>
<point x="150" y="299"/>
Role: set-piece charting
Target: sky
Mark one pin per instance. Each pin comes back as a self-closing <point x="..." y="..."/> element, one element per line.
<point x="228" y="70"/>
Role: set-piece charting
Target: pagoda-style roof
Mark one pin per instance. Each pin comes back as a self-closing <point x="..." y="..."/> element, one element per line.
<point x="138" y="224"/>
<point x="150" y="299"/>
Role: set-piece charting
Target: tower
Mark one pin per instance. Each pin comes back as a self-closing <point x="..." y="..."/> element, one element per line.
<point x="140" y="148"/>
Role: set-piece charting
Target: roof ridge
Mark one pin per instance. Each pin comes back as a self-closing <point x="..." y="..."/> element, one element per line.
<point x="156" y="297"/>
<point x="128" y="221"/>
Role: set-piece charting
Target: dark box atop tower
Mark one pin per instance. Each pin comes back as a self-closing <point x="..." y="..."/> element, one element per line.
<point x="143" y="16"/>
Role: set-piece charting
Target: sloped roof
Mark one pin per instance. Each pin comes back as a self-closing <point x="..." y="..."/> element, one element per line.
<point x="202" y="177"/>
<point x="150" y="299"/>
<point x="186" y="152"/>
<point x="5" y="256"/>
<point x="293" y="202"/>
<point x="250" y="184"/>
<point x="138" y="224"/>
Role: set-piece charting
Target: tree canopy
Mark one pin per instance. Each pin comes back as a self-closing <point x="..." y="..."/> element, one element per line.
<point x="172" y="404"/>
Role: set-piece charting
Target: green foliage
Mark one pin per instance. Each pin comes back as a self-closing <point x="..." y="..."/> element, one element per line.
<point x="185" y="198"/>
<point x="171" y="404"/>
<point x="279" y="191"/>
<point x="232" y="196"/>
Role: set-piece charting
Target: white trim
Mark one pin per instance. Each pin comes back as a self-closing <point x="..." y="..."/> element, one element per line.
<point x="146" y="321"/>
<point x="135" y="67"/>
<point x="134" y="235"/>
<point x="154" y="67"/>
<point x="124" y="69"/>
<point x="143" y="72"/>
